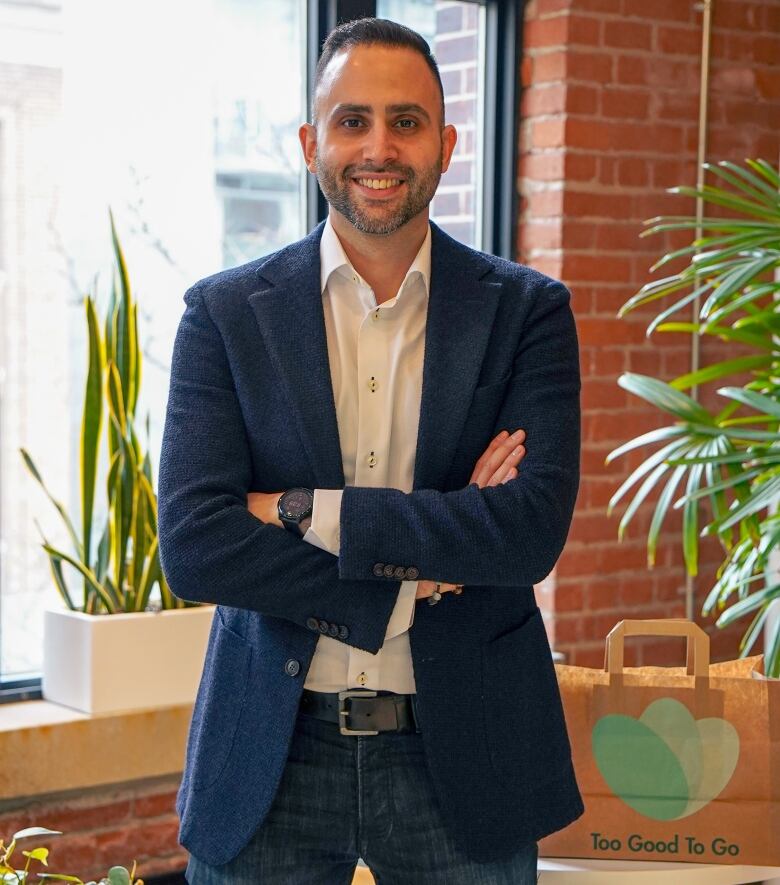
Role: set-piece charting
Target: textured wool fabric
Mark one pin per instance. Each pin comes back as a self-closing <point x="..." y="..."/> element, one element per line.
<point x="251" y="408"/>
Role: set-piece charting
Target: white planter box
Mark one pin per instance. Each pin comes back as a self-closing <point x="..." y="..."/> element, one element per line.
<point x="121" y="662"/>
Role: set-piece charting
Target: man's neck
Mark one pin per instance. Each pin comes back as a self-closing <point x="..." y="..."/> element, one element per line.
<point x="382" y="261"/>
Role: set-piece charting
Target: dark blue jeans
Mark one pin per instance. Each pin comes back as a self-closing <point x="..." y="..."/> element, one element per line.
<point x="342" y="798"/>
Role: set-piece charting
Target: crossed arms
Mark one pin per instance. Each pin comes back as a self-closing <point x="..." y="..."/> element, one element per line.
<point x="213" y="549"/>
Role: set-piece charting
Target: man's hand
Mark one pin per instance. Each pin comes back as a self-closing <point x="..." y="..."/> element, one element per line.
<point x="263" y="505"/>
<point x="497" y="465"/>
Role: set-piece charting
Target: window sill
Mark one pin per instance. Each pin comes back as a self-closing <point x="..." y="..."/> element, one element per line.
<point x="49" y="748"/>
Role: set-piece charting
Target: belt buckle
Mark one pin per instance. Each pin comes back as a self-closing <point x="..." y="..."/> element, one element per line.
<point x="344" y="712"/>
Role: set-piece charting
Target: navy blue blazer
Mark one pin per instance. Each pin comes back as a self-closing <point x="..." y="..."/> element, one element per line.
<point x="251" y="408"/>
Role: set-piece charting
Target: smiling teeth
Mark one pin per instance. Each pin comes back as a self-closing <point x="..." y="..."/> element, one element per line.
<point x="379" y="183"/>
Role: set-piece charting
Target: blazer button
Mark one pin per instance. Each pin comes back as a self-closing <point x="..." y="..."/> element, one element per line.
<point x="400" y="572"/>
<point x="333" y="630"/>
<point x="324" y="625"/>
<point x="388" y="571"/>
<point x="292" y="667"/>
<point x="412" y="573"/>
<point x="313" y="624"/>
<point x="343" y="632"/>
<point x="379" y="569"/>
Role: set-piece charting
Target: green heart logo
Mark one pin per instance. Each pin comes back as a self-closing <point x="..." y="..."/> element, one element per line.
<point x="666" y="765"/>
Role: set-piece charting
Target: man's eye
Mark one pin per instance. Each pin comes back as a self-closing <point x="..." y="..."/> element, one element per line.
<point x="407" y="120"/>
<point x="350" y="120"/>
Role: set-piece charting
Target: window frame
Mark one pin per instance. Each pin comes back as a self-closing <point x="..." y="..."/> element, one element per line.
<point x="501" y="120"/>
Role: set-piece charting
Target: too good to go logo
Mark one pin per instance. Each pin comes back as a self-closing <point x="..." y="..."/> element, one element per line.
<point x="666" y="765"/>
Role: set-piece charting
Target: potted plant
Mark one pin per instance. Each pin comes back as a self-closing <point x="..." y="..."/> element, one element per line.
<point x="730" y="457"/>
<point x="110" y="648"/>
<point x="11" y="876"/>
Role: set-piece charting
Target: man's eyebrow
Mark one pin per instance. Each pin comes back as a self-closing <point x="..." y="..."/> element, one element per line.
<point x="389" y="109"/>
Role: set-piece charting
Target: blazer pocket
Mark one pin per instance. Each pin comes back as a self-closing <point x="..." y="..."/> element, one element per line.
<point x="526" y="728"/>
<point x="218" y="706"/>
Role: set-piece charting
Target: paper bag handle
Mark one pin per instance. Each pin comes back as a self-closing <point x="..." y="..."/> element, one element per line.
<point x="697" y="651"/>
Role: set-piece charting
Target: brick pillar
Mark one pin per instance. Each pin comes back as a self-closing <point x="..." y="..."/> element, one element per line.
<point x="610" y="120"/>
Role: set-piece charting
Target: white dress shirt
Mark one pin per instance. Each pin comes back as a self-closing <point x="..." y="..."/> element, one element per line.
<point x="376" y="361"/>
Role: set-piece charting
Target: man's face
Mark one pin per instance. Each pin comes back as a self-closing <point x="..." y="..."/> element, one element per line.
<point x="379" y="118"/>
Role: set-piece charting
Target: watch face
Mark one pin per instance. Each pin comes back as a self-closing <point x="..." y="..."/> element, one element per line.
<point x="295" y="503"/>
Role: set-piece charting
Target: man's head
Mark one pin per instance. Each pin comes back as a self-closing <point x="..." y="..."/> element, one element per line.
<point x="378" y="115"/>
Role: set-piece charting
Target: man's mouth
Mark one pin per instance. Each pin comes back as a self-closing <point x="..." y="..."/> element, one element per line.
<point x="378" y="187"/>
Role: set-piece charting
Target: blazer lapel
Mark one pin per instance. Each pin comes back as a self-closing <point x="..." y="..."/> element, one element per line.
<point x="288" y="310"/>
<point x="461" y="312"/>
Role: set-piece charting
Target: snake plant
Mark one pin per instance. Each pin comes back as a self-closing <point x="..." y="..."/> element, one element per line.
<point x="118" y="569"/>
<point x="728" y="457"/>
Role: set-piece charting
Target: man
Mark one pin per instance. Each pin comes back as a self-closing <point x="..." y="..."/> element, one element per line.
<point x="337" y="475"/>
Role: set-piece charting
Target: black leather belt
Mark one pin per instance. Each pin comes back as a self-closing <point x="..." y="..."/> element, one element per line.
<point x="361" y="712"/>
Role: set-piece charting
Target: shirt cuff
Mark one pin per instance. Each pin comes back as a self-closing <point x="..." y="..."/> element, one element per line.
<point x="325" y="529"/>
<point x="402" y="617"/>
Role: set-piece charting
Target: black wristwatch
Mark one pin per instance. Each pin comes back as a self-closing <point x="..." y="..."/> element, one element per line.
<point x="295" y="508"/>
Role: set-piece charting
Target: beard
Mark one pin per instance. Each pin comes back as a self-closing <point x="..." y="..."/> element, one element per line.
<point x="385" y="217"/>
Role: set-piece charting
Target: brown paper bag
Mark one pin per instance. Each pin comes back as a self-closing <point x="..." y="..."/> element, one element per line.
<point x="674" y="764"/>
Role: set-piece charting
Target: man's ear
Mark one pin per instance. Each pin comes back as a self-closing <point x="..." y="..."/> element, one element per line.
<point x="449" y="138"/>
<point x="307" y="135"/>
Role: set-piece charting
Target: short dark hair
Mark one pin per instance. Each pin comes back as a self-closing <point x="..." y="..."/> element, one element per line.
<point x="372" y="32"/>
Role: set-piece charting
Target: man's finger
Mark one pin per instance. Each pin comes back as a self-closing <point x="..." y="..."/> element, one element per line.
<point x="511" y="461"/>
<point x="497" y="457"/>
<point x="494" y="444"/>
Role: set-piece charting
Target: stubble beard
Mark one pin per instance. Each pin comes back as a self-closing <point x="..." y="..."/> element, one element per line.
<point x="379" y="220"/>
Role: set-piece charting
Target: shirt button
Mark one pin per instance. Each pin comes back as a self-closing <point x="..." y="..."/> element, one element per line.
<point x="372" y="460"/>
<point x="362" y="679"/>
<point x="372" y="384"/>
<point x="375" y="315"/>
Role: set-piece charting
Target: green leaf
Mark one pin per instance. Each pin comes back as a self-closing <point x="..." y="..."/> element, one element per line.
<point x="651" y="436"/>
<point x="84" y="572"/>
<point x="34" y="831"/>
<point x="745" y="181"/>
<point x="645" y="467"/>
<point x="719" y="370"/>
<point x="118" y="876"/>
<point x="30" y="464"/>
<point x="660" y="512"/>
<point x="40" y="854"/>
<point x="91" y="420"/>
<point x="768" y="405"/>
<point x="664" y="397"/>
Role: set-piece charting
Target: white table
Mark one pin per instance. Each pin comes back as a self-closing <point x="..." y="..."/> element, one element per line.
<point x="586" y="871"/>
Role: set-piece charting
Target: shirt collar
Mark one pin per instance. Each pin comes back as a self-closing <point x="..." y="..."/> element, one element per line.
<point x="334" y="259"/>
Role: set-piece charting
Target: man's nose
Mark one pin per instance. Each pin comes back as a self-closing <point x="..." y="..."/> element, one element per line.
<point x="379" y="146"/>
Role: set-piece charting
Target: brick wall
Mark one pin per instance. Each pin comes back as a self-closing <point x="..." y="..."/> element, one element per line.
<point x="610" y="120"/>
<point x="102" y="828"/>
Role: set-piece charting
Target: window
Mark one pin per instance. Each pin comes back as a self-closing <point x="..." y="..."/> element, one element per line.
<point x="177" y="117"/>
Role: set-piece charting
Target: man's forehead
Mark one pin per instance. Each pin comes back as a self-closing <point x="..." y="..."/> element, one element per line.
<point x="377" y="66"/>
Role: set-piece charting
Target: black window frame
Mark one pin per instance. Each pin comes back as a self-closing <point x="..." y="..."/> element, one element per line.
<point x="503" y="41"/>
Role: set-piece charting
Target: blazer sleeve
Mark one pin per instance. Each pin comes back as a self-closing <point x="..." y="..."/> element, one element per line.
<point x="511" y="534"/>
<point x="212" y="549"/>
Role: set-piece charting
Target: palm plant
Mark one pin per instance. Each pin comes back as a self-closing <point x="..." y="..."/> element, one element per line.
<point x="730" y="457"/>
<point x="119" y="572"/>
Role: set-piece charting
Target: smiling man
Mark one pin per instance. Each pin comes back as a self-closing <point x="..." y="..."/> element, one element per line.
<point x="341" y="473"/>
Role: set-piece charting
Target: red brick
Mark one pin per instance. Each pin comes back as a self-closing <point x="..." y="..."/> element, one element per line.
<point x="595" y="67"/>
<point x="548" y="132"/>
<point x="627" y="35"/>
<point x="581" y="99"/>
<point x="661" y="10"/>
<point x="593" y="267"/>
<point x="587" y="655"/>
<point x="631" y="70"/>
<point x="580" y="167"/>
<point x="584" y="30"/>
<point x="543" y="166"/>
<point x="738" y="16"/>
<point x="590" y="528"/>
<point x="155" y="804"/>
<point x="569" y="598"/>
<point x="74" y="817"/>
<point x="549" y="66"/>
<point x="549" y="98"/>
<point x="542" y="204"/>
<point x="625" y="103"/>
<point x="541" y="234"/>
<point x="546" y="32"/>
<point x="678" y="41"/>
